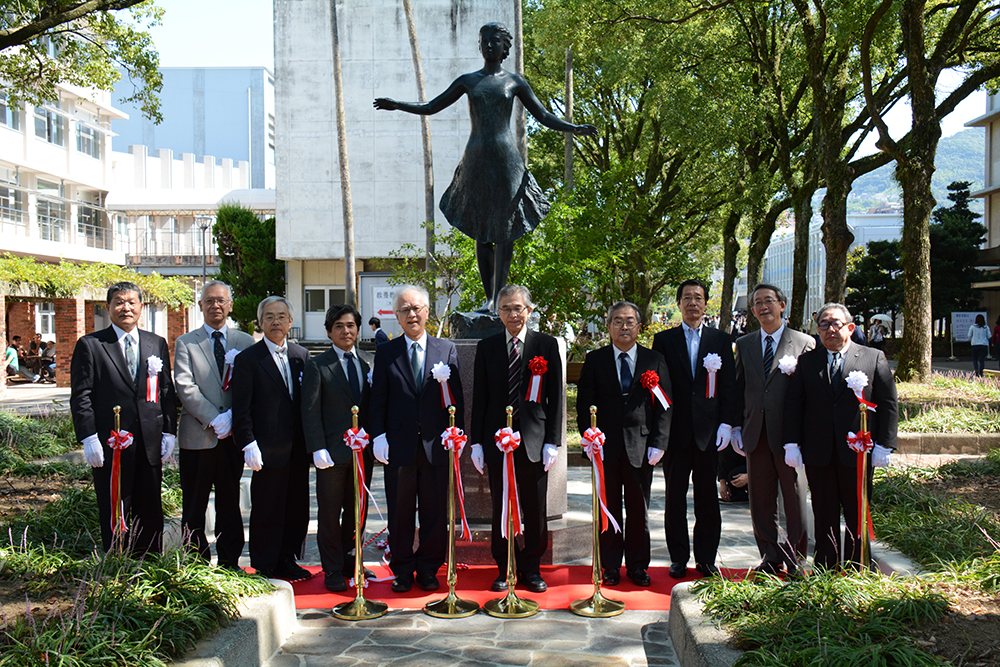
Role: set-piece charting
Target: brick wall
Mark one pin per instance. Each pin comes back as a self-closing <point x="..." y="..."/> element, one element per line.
<point x="177" y="326"/>
<point x="21" y="321"/>
<point x="71" y="324"/>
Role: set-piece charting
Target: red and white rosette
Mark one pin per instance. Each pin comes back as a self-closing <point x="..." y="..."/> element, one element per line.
<point x="712" y="364"/>
<point x="454" y="439"/>
<point x="861" y="443"/>
<point x="537" y="366"/>
<point x="153" y="367"/>
<point x="357" y="440"/>
<point x="118" y="441"/>
<point x="228" y="373"/>
<point x="442" y="373"/>
<point x="593" y="444"/>
<point x="856" y="382"/>
<point x="507" y="441"/>
<point x="651" y="381"/>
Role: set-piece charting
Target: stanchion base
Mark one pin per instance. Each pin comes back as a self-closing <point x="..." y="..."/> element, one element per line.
<point x="511" y="606"/>
<point x="360" y="609"/>
<point x="597" y="606"/>
<point x="451" y="607"/>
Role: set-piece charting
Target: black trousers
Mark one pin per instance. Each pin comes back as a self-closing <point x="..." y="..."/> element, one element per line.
<point x="834" y="487"/>
<point x="336" y="500"/>
<point x="279" y="517"/>
<point x="417" y="490"/>
<point x="532" y="490"/>
<point x="140" y="494"/>
<point x="625" y="482"/>
<point x="683" y="461"/>
<point x="201" y="470"/>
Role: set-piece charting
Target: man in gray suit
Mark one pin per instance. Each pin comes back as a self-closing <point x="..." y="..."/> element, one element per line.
<point x="332" y="383"/>
<point x="209" y="456"/>
<point x="761" y="383"/>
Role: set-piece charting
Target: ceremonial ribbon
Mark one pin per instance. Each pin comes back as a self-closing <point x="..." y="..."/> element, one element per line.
<point x="593" y="444"/>
<point x="442" y="372"/>
<point x="537" y="366"/>
<point x="227" y="378"/>
<point x="153" y="367"/>
<point x="357" y="440"/>
<point x="651" y="381"/>
<point x="507" y="441"/>
<point x="453" y="439"/>
<point x="118" y="441"/>
<point x="712" y="363"/>
<point x="862" y="444"/>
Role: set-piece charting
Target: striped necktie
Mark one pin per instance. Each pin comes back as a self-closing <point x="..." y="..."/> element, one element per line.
<point x="514" y="375"/>
<point x="768" y="355"/>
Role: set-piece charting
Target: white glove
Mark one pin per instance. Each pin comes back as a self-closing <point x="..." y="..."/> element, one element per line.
<point x="167" y="442"/>
<point x="380" y="448"/>
<point x="880" y="456"/>
<point x="322" y="460"/>
<point x="477" y="458"/>
<point x="722" y="436"/>
<point x="737" y="440"/>
<point x="549" y="455"/>
<point x="653" y="455"/>
<point x="223" y="424"/>
<point x="93" y="452"/>
<point x="252" y="456"/>
<point x="793" y="455"/>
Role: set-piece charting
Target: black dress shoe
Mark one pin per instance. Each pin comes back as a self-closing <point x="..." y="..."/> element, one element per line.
<point x="402" y="584"/>
<point x="707" y="569"/>
<point x="533" y="582"/>
<point x="639" y="576"/>
<point x="335" y="582"/>
<point x="291" y="572"/>
<point x="350" y="574"/>
<point x="768" y="567"/>
<point x="611" y="577"/>
<point x="428" y="582"/>
<point x="500" y="585"/>
<point x="678" y="570"/>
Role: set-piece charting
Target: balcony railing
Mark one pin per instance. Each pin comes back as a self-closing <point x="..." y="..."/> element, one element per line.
<point x="94" y="236"/>
<point x="12" y="221"/>
<point x="53" y="229"/>
<point x="161" y="242"/>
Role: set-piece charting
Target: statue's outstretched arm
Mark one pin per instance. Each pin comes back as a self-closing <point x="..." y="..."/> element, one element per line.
<point x="551" y="121"/>
<point x="439" y="103"/>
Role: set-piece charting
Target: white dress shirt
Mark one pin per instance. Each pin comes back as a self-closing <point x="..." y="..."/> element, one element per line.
<point x="693" y="339"/>
<point x="284" y="366"/>
<point x="776" y="336"/>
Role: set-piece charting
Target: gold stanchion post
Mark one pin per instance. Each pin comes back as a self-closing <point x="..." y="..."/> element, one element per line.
<point x="596" y="606"/>
<point x="510" y="606"/>
<point x="359" y="609"/>
<point x="451" y="606"/>
<point x="116" y="510"/>
<point x="866" y="545"/>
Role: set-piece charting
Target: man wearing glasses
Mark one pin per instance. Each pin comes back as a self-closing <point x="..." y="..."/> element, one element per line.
<point x="636" y="427"/>
<point x="209" y="456"/>
<point x="820" y="410"/>
<point x="504" y="376"/>
<point x="406" y="417"/>
<point x="761" y="383"/>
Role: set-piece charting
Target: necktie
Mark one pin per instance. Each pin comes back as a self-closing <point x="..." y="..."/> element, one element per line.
<point x="514" y="375"/>
<point x="284" y="369"/>
<point x="694" y="339"/>
<point x="768" y="355"/>
<point x="352" y="377"/>
<point x="418" y="376"/>
<point x="835" y="369"/>
<point x="133" y="367"/>
<point x="220" y="352"/>
<point x="626" y="374"/>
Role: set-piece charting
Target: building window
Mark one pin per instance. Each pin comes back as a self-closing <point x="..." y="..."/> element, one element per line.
<point x="45" y="320"/>
<point x="11" y="205"/>
<point x="9" y="115"/>
<point x="89" y="140"/>
<point x="50" y="126"/>
<point x="52" y="220"/>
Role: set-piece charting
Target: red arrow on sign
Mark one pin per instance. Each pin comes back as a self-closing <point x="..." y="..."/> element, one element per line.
<point x="384" y="312"/>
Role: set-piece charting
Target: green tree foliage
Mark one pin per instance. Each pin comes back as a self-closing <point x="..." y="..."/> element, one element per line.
<point x="87" y="43"/>
<point x="956" y="235"/>
<point x="874" y="279"/>
<point x="247" y="261"/>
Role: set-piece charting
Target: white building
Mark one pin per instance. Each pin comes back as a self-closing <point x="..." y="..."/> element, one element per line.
<point x="990" y="255"/>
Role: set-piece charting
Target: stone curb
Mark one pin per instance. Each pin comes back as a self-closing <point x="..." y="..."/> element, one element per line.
<point x="265" y="623"/>
<point x="947" y="443"/>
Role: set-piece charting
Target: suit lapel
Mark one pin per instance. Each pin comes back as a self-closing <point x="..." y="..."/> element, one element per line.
<point x="271" y="367"/>
<point x="402" y="362"/>
<point x="641" y="366"/>
<point x="339" y="377"/>
<point x="114" y="351"/>
<point x="207" y="347"/>
<point x="755" y="357"/>
<point x="851" y="363"/>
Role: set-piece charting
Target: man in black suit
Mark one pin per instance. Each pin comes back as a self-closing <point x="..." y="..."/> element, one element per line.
<point x="334" y="382"/>
<point x="503" y="377"/>
<point x="820" y="409"/>
<point x="376" y="325"/>
<point x="703" y="415"/>
<point x="267" y="425"/>
<point x="407" y="418"/>
<point x="636" y="427"/>
<point x="117" y="366"/>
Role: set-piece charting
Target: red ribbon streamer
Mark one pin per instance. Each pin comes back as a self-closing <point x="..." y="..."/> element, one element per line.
<point x="710" y="385"/>
<point x="507" y="441"/>
<point x="453" y="439"/>
<point x="118" y="441"/>
<point x="651" y="381"/>
<point x="862" y="444"/>
<point x="538" y="366"/>
<point x="446" y="400"/>
<point x="593" y="444"/>
<point x="152" y="389"/>
<point x="227" y="377"/>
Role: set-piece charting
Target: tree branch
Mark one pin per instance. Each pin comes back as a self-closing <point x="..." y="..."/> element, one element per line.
<point x="53" y="15"/>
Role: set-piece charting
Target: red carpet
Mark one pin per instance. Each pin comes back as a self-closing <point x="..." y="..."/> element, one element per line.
<point x="566" y="584"/>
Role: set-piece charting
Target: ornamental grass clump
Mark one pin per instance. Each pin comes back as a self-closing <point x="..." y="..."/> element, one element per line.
<point x="30" y="438"/>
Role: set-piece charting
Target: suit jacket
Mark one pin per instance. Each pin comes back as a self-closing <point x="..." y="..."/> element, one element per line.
<point x="818" y="416"/>
<point x="633" y="423"/>
<point x="100" y="380"/>
<point x="199" y="385"/>
<point x="327" y="400"/>
<point x="540" y="422"/>
<point x="262" y="408"/>
<point x="410" y="416"/>
<point x="760" y="401"/>
<point x="380" y="337"/>
<point x="696" y="418"/>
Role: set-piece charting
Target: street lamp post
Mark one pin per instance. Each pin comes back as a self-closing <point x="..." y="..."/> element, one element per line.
<point x="204" y="222"/>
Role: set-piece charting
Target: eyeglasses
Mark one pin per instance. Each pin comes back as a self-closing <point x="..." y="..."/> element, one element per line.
<point x="215" y="302"/>
<point x="831" y="324"/>
<point x="512" y="310"/>
<point x="281" y="319"/>
<point x="630" y="323"/>
<point x="765" y="302"/>
<point x="410" y="310"/>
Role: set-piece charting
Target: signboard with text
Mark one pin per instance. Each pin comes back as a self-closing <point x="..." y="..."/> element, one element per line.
<point x="960" y="323"/>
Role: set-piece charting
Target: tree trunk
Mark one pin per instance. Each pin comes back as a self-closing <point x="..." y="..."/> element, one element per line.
<point x="760" y="239"/>
<point x="350" y="278"/>
<point x="731" y="248"/>
<point x="568" y="166"/>
<point x="802" y="205"/>
<point x="837" y="238"/>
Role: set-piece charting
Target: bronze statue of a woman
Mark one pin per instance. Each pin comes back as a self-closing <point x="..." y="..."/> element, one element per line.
<point x="492" y="198"/>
